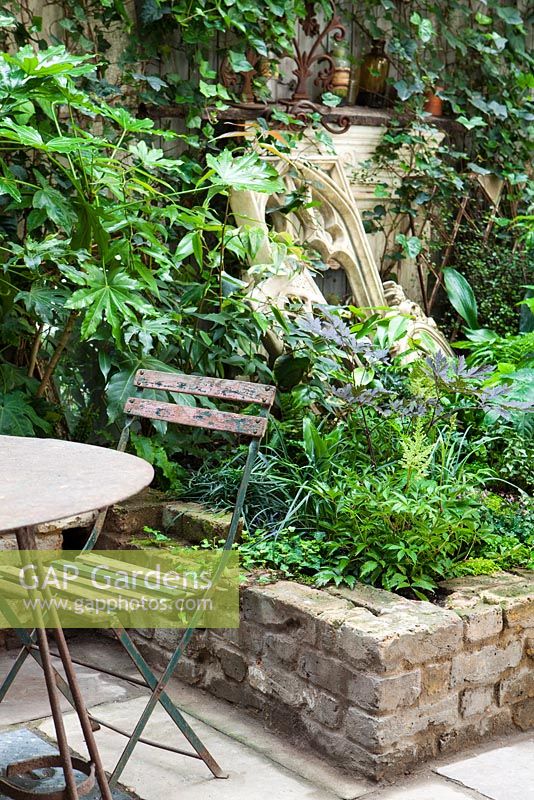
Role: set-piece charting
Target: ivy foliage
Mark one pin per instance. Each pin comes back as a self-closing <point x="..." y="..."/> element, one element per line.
<point x="478" y="61"/>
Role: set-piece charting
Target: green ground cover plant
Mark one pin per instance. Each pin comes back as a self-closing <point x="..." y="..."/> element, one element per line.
<point x="380" y="467"/>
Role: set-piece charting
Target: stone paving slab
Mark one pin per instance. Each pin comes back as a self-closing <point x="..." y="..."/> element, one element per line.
<point x="155" y="774"/>
<point x="427" y="789"/>
<point x="505" y="773"/>
<point x="27" y="699"/>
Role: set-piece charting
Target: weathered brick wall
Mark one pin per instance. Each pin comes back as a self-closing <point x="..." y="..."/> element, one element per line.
<point x="375" y="682"/>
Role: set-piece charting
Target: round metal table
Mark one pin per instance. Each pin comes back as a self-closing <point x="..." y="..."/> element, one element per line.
<point x="43" y="480"/>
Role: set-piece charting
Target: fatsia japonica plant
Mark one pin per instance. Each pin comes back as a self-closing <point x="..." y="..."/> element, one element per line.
<point x="113" y="255"/>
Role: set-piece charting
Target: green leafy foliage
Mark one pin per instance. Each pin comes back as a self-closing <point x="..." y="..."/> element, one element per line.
<point x="461" y="296"/>
<point x="498" y="274"/>
<point x="17" y="416"/>
<point x="117" y="255"/>
<point x="373" y="474"/>
<point x="114" y="256"/>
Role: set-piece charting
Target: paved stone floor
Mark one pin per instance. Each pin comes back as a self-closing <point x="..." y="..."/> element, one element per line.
<point x="260" y="765"/>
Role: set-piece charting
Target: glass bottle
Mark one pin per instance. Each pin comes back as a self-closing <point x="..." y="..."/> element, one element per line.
<point x="374" y="73"/>
<point x="339" y="84"/>
<point x="354" y="85"/>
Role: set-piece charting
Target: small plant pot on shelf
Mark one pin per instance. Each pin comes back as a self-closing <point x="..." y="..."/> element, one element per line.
<point x="434" y="104"/>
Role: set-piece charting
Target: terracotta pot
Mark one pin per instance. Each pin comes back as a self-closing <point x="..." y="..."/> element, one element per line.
<point x="434" y="104"/>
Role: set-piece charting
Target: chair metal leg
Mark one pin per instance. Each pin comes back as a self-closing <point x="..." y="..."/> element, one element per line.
<point x="13" y="672"/>
<point x="166" y="702"/>
<point x="159" y="687"/>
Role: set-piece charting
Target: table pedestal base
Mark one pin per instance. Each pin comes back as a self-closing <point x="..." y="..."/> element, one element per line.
<point x="31" y="765"/>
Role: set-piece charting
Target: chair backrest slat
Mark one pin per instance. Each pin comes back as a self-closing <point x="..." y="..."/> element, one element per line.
<point x="218" y="388"/>
<point x="197" y="417"/>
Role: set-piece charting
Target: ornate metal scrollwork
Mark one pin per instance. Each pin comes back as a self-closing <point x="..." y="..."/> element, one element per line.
<point x="312" y="62"/>
<point x="306" y="60"/>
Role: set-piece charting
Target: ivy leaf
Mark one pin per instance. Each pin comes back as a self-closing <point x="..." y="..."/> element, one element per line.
<point x="479" y="170"/>
<point x="208" y="89"/>
<point x="243" y="173"/>
<point x="411" y="245"/>
<point x="509" y="14"/>
<point x="498" y="109"/>
<point x="153" y="81"/>
<point x="425" y="29"/>
<point x="499" y="41"/>
<point x="151" y="11"/>
<point x="331" y="100"/>
<point x="461" y="296"/>
<point x="239" y="62"/>
<point x="422" y="197"/>
<point x="406" y="90"/>
<point x="477" y="100"/>
<point x="474" y="122"/>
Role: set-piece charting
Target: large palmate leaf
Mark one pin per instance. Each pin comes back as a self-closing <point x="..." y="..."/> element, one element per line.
<point x="17" y="417"/>
<point x="57" y="208"/>
<point x="46" y="303"/>
<point x="20" y="134"/>
<point x="52" y="61"/>
<point x="243" y="172"/>
<point x="111" y="296"/>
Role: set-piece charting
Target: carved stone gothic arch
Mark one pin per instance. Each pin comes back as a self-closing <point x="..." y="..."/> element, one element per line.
<point x="333" y="227"/>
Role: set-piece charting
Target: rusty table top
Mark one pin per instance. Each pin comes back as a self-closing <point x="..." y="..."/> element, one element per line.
<point x="43" y="480"/>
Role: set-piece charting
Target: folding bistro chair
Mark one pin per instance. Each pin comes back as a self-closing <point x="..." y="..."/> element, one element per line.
<point x="252" y="426"/>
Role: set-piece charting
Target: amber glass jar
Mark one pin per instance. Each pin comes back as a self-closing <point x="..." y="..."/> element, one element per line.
<point x="373" y="77"/>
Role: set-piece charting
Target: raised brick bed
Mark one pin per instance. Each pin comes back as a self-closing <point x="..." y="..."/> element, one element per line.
<point x="375" y="682"/>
